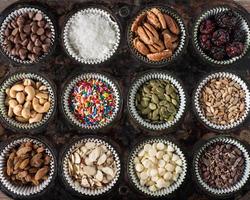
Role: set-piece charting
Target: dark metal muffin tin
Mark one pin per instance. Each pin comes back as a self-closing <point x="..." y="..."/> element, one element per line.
<point x="124" y="68"/>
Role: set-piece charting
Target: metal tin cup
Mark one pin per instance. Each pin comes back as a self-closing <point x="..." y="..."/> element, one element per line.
<point x="147" y="124"/>
<point x="68" y="180"/>
<point x="10" y="14"/>
<point x="20" y="126"/>
<point x="66" y="103"/>
<point x="26" y="191"/>
<point x="220" y="192"/>
<point x="134" y="179"/>
<point x="183" y="40"/>
<point x="200" y="113"/>
<point x="107" y="15"/>
<point x="243" y="23"/>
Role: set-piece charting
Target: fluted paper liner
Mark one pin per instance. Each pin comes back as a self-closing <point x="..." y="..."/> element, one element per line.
<point x="73" y="53"/>
<point x="211" y="12"/>
<point x="182" y="37"/>
<point x="24" y="190"/>
<point x="199" y="110"/>
<point x="83" y="190"/>
<point x="8" y="83"/>
<point x="135" y="180"/>
<point x="132" y="99"/>
<point x="12" y="16"/>
<point x="235" y="187"/>
<point x="67" y="93"/>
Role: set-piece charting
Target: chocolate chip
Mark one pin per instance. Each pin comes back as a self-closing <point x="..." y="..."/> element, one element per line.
<point x="30" y="46"/>
<point x="38" y="17"/>
<point x="23" y="53"/>
<point x="23" y="36"/>
<point x="45" y="48"/>
<point x="14" y="32"/>
<point x="37" y="50"/>
<point x="20" y="21"/>
<point x="32" y="57"/>
<point x="31" y="15"/>
<point x="40" y="31"/>
<point x="25" y="42"/>
<point x="38" y="42"/>
<point x="33" y="37"/>
<point x="34" y="28"/>
<point x="26" y="29"/>
<point x="41" y="23"/>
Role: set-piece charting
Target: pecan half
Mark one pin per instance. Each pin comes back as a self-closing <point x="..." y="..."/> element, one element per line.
<point x="140" y="46"/>
<point x="167" y="41"/>
<point x="137" y="22"/>
<point x="172" y="25"/>
<point x="152" y="30"/>
<point x="159" y="46"/>
<point x="145" y="35"/>
<point x="160" y="55"/>
<point x="152" y="19"/>
<point x="174" y="37"/>
<point x="160" y="16"/>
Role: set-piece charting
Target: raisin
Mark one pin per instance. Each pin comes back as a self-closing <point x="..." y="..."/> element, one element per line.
<point x="226" y="19"/>
<point x="239" y="35"/>
<point x="234" y="49"/>
<point x="218" y="53"/>
<point x="207" y="26"/>
<point x="220" y="37"/>
<point x="205" y="41"/>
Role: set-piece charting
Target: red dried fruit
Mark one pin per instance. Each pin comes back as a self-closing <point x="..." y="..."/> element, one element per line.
<point x="239" y="35"/>
<point x="234" y="49"/>
<point x="218" y="53"/>
<point x="205" y="41"/>
<point x="220" y="37"/>
<point x="226" y="19"/>
<point x="207" y="26"/>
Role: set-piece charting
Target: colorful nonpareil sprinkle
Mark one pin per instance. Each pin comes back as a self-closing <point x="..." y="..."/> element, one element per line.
<point x="93" y="102"/>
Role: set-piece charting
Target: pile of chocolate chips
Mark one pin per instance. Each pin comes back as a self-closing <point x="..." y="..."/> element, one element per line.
<point x="221" y="165"/>
<point x="28" y="36"/>
<point x="221" y="37"/>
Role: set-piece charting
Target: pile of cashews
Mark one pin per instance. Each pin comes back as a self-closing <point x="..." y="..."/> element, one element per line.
<point x="27" y="101"/>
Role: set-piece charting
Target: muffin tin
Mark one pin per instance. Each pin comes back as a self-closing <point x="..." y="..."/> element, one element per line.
<point x="121" y="71"/>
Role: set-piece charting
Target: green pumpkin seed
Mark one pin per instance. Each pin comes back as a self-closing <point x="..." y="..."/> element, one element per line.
<point x="159" y="90"/>
<point x="155" y="99"/>
<point x="152" y="106"/>
<point x="174" y="102"/>
<point x="144" y="103"/>
<point x="163" y="103"/>
<point x="146" y="89"/>
<point x="167" y="97"/>
<point x="145" y="111"/>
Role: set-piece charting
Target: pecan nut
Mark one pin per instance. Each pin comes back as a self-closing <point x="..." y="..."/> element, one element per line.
<point x="152" y="19"/>
<point x="140" y="46"/>
<point x="137" y="22"/>
<point x="160" y="55"/>
<point x="172" y="25"/>
<point x="160" y="16"/>
<point x="145" y="35"/>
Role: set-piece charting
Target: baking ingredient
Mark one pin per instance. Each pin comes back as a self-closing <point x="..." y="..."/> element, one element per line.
<point x="157" y="101"/>
<point x="157" y="166"/>
<point x="28" y="36"/>
<point x="220" y="37"/>
<point x="155" y="34"/>
<point x="28" y="163"/>
<point x="93" y="102"/>
<point x="92" y="165"/>
<point x="222" y="101"/>
<point x="27" y="101"/>
<point x="92" y="35"/>
<point x="221" y="165"/>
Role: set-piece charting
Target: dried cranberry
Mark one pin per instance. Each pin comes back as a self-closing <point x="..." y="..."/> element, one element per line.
<point x="205" y="41"/>
<point x="234" y="49"/>
<point x="220" y="37"/>
<point x="239" y="35"/>
<point x="207" y="26"/>
<point x="218" y="53"/>
<point x="226" y="19"/>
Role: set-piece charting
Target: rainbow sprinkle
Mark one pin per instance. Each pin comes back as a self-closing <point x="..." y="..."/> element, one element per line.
<point x="93" y="102"/>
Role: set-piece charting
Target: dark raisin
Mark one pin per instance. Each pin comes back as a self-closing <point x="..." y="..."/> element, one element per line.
<point x="226" y="19"/>
<point x="218" y="53"/>
<point x="220" y="37"/>
<point x="234" y="49"/>
<point x="205" y="41"/>
<point x="239" y="35"/>
<point x="207" y="26"/>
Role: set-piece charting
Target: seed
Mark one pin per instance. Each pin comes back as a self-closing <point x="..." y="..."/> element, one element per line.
<point x="152" y="106"/>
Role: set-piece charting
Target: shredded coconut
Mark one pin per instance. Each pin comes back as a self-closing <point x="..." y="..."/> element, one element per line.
<point x="92" y="35"/>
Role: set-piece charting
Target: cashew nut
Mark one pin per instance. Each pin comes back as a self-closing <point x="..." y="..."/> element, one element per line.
<point x="10" y="112"/>
<point x="40" y="108"/>
<point x="43" y="87"/>
<point x="33" y="114"/>
<point x="42" y="101"/>
<point x="7" y="91"/>
<point x="17" y="110"/>
<point x="37" y="118"/>
<point x="20" y="97"/>
<point x="30" y="92"/>
<point x="42" y="95"/>
<point x="13" y="103"/>
<point x="38" y="84"/>
<point x="21" y="119"/>
<point x="27" y="82"/>
<point x="16" y="88"/>
<point x="26" y="110"/>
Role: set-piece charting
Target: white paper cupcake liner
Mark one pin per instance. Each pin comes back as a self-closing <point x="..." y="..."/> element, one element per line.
<point x="135" y="180"/>
<point x="88" y="191"/>
<point x="236" y="187"/>
<point x="243" y="24"/>
<point x="182" y="39"/>
<point x="132" y="100"/>
<point x="9" y="82"/>
<point x="67" y="94"/>
<point x="12" y="16"/>
<point x="24" y="190"/>
<point x="199" y="110"/>
<point x="70" y="50"/>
